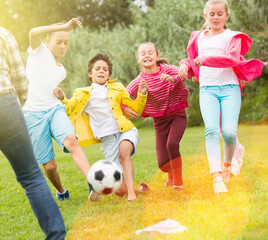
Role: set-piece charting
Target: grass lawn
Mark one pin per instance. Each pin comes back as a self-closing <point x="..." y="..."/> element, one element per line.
<point x="240" y="214"/>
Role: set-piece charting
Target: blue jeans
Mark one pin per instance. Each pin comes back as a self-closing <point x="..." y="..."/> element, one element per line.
<point x="220" y="102"/>
<point x="16" y="145"/>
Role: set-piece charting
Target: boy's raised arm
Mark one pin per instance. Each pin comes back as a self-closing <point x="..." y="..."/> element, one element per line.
<point x="36" y="33"/>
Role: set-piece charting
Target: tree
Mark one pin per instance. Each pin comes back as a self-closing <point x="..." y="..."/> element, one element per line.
<point x="19" y="16"/>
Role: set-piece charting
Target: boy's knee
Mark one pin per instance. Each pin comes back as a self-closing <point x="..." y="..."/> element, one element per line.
<point x="126" y="148"/>
<point x="70" y="141"/>
<point x="123" y="156"/>
<point x="50" y="167"/>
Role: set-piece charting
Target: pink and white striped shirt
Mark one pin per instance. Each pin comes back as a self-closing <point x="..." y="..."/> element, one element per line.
<point x="163" y="97"/>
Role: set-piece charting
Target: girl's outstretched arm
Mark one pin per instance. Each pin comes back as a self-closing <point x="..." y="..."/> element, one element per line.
<point x="183" y="71"/>
<point x="35" y="34"/>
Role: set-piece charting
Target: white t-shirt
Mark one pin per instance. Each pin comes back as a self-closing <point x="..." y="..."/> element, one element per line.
<point x="211" y="46"/>
<point x="44" y="76"/>
<point x="98" y="108"/>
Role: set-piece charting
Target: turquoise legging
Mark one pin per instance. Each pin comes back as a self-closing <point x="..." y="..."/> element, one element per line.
<point x="220" y="102"/>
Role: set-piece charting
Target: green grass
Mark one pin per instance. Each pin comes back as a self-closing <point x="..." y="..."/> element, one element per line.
<point x="240" y="214"/>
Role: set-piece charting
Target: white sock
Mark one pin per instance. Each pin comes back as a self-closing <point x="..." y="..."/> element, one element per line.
<point x="63" y="192"/>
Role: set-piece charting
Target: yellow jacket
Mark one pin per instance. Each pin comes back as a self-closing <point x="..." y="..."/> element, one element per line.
<point x="117" y="96"/>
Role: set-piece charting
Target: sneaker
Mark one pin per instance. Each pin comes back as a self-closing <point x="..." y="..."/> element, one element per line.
<point x="169" y="181"/>
<point x="241" y="154"/>
<point x="177" y="187"/>
<point x="226" y="173"/>
<point x="237" y="163"/>
<point x="235" y="167"/>
<point x="219" y="185"/>
<point x="93" y="196"/>
<point x="62" y="196"/>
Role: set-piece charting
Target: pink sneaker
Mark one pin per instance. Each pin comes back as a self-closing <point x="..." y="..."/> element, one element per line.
<point x="169" y="181"/>
<point x="235" y="167"/>
<point x="241" y="154"/>
<point x="219" y="185"/>
<point x="226" y="173"/>
<point x="177" y="187"/>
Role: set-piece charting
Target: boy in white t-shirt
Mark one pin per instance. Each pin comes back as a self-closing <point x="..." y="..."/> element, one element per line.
<point x="44" y="114"/>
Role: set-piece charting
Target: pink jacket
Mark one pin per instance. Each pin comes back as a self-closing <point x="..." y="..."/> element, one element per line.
<point x="238" y="46"/>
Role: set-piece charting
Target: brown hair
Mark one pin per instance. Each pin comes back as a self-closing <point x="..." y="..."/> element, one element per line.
<point x="97" y="57"/>
<point x="211" y="2"/>
<point x="161" y="60"/>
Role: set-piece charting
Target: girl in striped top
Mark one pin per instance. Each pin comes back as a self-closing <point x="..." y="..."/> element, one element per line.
<point x="166" y="102"/>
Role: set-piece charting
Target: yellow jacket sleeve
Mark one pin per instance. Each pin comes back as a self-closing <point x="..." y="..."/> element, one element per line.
<point x="137" y="105"/>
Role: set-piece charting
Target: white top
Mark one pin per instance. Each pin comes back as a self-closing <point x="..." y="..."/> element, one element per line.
<point x="211" y="46"/>
<point x="98" y="108"/>
<point x="44" y="76"/>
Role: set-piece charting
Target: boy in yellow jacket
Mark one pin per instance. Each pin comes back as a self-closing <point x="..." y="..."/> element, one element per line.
<point x="96" y="115"/>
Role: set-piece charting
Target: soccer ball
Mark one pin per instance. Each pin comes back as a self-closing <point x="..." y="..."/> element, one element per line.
<point x="105" y="177"/>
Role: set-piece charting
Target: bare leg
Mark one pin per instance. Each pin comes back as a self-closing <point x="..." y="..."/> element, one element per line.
<point x="79" y="157"/>
<point x="53" y="175"/>
<point x="125" y="150"/>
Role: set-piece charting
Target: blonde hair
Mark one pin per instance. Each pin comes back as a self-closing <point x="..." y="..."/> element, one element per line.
<point x="212" y="2"/>
<point x="161" y="60"/>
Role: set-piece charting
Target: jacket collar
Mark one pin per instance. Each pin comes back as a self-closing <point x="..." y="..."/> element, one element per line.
<point x="89" y="88"/>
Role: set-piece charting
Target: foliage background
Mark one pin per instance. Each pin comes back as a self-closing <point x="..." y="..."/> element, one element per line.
<point x="117" y="28"/>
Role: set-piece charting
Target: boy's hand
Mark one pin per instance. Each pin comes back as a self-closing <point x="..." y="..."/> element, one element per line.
<point x="130" y="114"/>
<point x="183" y="72"/>
<point x="74" y="22"/>
<point x="143" y="87"/>
<point x="166" y="77"/>
<point x="59" y="93"/>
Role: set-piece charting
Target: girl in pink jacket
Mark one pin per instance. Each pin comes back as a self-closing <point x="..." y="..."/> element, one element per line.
<point x="215" y="56"/>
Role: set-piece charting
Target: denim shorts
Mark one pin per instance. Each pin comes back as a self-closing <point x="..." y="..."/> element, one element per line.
<point x="110" y="144"/>
<point x="45" y="125"/>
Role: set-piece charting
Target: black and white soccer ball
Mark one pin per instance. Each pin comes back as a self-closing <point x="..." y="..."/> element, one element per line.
<point x="105" y="177"/>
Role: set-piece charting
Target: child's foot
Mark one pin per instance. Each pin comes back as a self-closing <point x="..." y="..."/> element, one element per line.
<point x="144" y="187"/>
<point x="177" y="187"/>
<point x="241" y="154"/>
<point x="219" y="185"/>
<point x="235" y="167"/>
<point x="237" y="163"/>
<point x="132" y="199"/>
<point x="62" y="196"/>
<point x="226" y="173"/>
<point x="168" y="183"/>
<point x="94" y="196"/>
